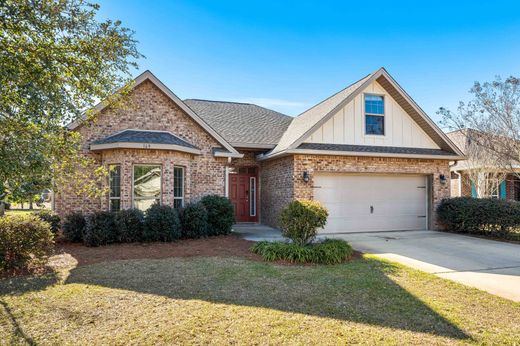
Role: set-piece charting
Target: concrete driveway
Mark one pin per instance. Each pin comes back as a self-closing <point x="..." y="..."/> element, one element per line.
<point x="485" y="264"/>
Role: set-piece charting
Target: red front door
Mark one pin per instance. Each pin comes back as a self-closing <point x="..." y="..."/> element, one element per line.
<point x="243" y="194"/>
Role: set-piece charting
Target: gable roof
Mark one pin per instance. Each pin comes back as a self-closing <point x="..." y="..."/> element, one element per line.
<point x="148" y="76"/>
<point x="310" y="120"/>
<point x="242" y="124"/>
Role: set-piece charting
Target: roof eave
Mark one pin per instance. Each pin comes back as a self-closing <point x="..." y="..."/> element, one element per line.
<point x="144" y="146"/>
<point x="356" y="153"/>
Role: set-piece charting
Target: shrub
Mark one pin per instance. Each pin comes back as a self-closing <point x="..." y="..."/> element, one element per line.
<point x="221" y="214"/>
<point x="161" y="224"/>
<point x="130" y="225"/>
<point x="194" y="221"/>
<point x="330" y="251"/>
<point x="74" y="227"/>
<point x="25" y="240"/>
<point x="300" y="220"/>
<point x="497" y="218"/>
<point x="101" y="229"/>
<point x="50" y="217"/>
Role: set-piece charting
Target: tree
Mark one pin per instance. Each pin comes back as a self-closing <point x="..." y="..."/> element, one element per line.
<point x="56" y="61"/>
<point x="491" y="124"/>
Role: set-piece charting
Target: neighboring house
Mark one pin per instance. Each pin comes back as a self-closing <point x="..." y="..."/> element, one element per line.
<point x="480" y="176"/>
<point x="368" y="153"/>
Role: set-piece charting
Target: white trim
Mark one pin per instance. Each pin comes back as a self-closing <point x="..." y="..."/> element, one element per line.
<point x="146" y="146"/>
<point x="354" y="153"/>
<point x="147" y="75"/>
<point x="226" y="154"/>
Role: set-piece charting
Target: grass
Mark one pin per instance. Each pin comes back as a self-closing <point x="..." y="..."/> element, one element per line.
<point x="216" y="300"/>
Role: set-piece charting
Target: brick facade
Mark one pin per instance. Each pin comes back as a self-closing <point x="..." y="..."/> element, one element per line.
<point x="149" y="109"/>
<point x="283" y="178"/>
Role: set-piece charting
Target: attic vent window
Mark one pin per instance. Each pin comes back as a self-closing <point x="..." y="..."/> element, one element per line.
<point x="374" y="115"/>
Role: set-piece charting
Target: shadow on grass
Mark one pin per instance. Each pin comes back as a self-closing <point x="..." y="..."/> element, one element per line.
<point x="360" y="291"/>
<point x="28" y="283"/>
<point x="17" y="329"/>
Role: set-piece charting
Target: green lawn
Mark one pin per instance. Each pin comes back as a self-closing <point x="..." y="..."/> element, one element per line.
<point x="216" y="300"/>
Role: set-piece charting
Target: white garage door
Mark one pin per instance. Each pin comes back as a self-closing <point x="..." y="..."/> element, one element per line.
<point x="364" y="203"/>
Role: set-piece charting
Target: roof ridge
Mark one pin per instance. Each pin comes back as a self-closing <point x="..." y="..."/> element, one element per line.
<point x="219" y="101"/>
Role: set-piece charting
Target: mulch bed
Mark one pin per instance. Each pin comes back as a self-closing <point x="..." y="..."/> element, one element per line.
<point x="224" y="246"/>
<point x="73" y="254"/>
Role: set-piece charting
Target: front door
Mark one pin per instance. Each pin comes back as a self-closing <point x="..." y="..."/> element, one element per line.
<point x="243" y="193"/>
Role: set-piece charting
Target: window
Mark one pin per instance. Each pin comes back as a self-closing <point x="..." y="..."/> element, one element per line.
<point x="178" y="187"/>
<point x="147" y="186"/>
<point x="114" y="182"/>
<point x="492" y="188"/>
<point x="252" y="195"/>
<point x="374" y="115"/>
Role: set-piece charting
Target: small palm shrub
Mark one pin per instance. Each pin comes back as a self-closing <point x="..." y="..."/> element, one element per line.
<point x="161" y="224"/>
<point x="300" y="220"/>
<point x="25" y="240"/>
<point x="330" y="251"/>
<point x="130" y="224"/>
<point x="194" y="221"/>
<point x="74" y="227"/>
<point x="101" y="229"/>
<point x="50" y="217"/>
<point x="221" y="215"/>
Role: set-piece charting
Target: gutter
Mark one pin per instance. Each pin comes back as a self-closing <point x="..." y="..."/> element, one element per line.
<point x="263" y="157"/>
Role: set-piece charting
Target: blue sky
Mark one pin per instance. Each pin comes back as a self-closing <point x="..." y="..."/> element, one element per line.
<point x="289" y="55"/>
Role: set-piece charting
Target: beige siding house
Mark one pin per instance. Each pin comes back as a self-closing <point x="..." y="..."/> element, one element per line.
<point x="368" y="153"/>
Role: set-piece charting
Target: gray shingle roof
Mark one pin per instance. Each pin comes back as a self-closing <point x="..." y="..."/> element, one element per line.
<point x="374" y="149"/>
<point x="144" y="136"/>
<point x="242" y="122"/>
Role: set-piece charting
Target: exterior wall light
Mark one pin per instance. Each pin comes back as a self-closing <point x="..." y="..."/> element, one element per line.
<point x="443" y="179"/>
<point x="306" y="176"/>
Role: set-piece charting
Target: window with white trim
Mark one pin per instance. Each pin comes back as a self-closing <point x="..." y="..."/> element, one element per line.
<point x="492" y="188"/>
<point x="374" y="115"/>
<point x="178" y="186"/>
<point x="114" y="182"/>
<point x="252" y="196"/>
<point x="147" y="186"/>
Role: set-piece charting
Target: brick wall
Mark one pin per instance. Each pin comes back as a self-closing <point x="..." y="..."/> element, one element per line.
<point x="277" y="191"/>
<point x="149" y="109"/>
<point x="281" y="172"/>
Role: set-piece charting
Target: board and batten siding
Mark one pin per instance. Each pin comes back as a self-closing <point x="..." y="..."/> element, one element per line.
<point x="347" y="126"/>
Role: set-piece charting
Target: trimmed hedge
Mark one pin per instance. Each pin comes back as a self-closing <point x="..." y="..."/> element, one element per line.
<point x="161" y="224"/>
<point x="330" y="251"/>
<point x="130" y="225"/>
<point x="221" y="215"/>
<point x="74" y="227"/>
<point x="194" y="221"/>
<point x="101" y="229"/>
<point x="484" y="216"/>
<point x="25" y="240"/>
<point x="51" y="218"/>
<point x="300" y="220"/>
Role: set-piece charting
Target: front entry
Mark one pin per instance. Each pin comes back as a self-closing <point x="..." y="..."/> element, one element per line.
<point x="243" y="193"/>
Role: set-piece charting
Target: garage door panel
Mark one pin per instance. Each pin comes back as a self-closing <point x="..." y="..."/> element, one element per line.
<point x="398" y="201"/>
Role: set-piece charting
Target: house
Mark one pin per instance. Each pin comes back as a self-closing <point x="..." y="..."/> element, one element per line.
<point x="480" y="176"/>
<point x="368" y="153"/>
